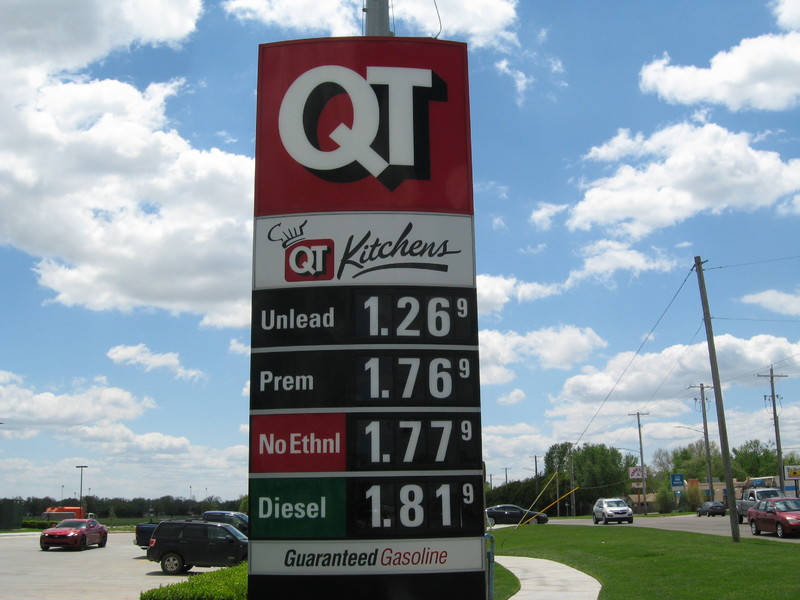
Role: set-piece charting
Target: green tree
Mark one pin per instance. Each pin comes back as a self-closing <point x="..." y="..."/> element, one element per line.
<point x="600" y="471"/>
<point x="756" y="459"/>
<point x="665" y="498"/>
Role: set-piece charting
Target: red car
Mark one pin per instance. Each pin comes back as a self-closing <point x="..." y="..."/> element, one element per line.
<point x="74" y="533"/>
<point x="775" y="515"/>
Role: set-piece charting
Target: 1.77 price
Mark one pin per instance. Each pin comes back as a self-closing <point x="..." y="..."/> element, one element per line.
<point x="443" y="440"/>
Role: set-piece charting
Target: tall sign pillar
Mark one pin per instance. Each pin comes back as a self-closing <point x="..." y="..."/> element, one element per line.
<point x="365" y="430"/>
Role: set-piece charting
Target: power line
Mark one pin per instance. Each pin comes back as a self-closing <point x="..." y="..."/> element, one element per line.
<point x="755" y="262"/>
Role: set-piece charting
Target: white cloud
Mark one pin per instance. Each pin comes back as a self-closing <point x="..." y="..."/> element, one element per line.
<point x="787" y="13"/>
<point x="495" y="291"/>
<point x="559" y="347"/>
<point x="677" y="173"/>
<point x="521" y="80"/>
<point x="51" y="35"/>
<point x="542" y="217"/>
<point x="161" y="224"/>
<point x="513" y="397"/>
<point x="760" y="73"/>
<point x="484" y="23"/>
<point x="779" y="302"/>
<point x="24" y="409"/>
<point x="604" y="258"/>
<point x="237" y="347"/>
<point x="140" y="355"/>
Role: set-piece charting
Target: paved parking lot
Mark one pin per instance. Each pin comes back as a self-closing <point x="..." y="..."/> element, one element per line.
<point x="120" y="571"/>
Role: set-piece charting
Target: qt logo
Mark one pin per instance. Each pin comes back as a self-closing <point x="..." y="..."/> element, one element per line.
<point x="309" y="260"/>
<point x="388" y="137"/>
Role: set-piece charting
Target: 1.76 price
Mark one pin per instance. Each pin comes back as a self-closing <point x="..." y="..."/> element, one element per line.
<point x="438" y="379"/>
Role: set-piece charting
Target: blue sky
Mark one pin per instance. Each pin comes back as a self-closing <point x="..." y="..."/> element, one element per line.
<point x="612" y="143"/>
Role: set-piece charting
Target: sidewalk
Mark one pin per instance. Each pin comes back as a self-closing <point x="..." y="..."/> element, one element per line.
<point x="547" y="580"/>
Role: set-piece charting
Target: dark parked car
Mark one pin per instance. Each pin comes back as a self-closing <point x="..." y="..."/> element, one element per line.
<point x="711" y="509"/>
<point x="513" y="514"/>
<point x="181" y="544"/>
<point x="775" y="515"/>
<point x="74" y="533"/>
<point x="239" y="520"/>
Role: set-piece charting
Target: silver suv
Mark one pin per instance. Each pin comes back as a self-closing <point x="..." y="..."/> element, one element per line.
<point x="611" y="509"/>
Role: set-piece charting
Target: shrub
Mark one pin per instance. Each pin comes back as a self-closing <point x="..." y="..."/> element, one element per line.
<point x="224" y="584"/>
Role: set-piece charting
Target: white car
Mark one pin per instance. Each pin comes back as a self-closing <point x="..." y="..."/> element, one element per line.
<point x="611" y="509"/>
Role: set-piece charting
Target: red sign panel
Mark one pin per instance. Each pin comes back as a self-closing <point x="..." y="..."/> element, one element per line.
<point x="297" y="443"/>
<point x="332" y="131"/>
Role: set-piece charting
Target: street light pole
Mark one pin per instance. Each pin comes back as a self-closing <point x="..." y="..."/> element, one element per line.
<point x="81" y="467"/>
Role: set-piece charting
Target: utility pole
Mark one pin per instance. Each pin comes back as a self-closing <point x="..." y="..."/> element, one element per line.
<point x="377" y="12"/>
<point x="571" y="481"/>
<point x="723" y="428"/>
<point x="772" y="377"/>
<point x="80" y="499"/>
<point x="535" y="473"/>
<point x="705" y="437"/>
<point x="641" y="457"/>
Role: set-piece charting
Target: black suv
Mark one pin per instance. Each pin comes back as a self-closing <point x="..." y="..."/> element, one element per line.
<point x="181" y="544"/>
<point x="239" y="520"/>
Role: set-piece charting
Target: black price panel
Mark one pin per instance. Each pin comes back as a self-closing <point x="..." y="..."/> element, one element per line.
<point x="369" y="315"/>
<point x="413" y="441"/>
<point x="415" y="506"/>
<point x="364" y="378"/>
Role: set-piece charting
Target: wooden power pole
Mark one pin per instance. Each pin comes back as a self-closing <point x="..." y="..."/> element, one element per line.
<point x="723" y="428"/>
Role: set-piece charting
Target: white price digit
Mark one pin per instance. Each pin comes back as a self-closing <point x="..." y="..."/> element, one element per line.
<point x="371" y="304"/>
<point x="373" y="430"/>
<point x="443" y="493"/>
<point x="412" y="304"/>
<point x="438" y="318"/>
<point x="462" y="307"/>
<point x="411" y="512"/>
<point x="466" y="430"/>
<point x="374" y="496"/>
<point x="411" y="379"/>
<point x="468" y="493"/>
<point x="446" y="427"/>
<point x="372" y="367"/>
<point x="413" y="439"/>
<point x="440" y="382"/>
<point x="463" y="367"/>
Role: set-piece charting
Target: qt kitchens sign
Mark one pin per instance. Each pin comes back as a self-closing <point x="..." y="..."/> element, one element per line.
<point x="365" y="432"/>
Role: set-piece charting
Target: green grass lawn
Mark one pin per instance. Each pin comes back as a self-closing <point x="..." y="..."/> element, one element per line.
<point x="630" y="562"/>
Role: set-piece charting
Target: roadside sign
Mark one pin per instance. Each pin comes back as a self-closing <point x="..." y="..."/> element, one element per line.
<point x="635" y="472"/>
<point x="676" y="479"/>
<point x="365" y="431"/>
<point x="791" y="471"/>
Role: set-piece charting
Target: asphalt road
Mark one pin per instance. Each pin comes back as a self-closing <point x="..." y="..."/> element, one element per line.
<point x="120" y="571"/>
<point x="691" y="523"/>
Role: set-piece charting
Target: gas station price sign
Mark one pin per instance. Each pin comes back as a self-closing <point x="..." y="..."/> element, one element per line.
<point x="365" y="429"/>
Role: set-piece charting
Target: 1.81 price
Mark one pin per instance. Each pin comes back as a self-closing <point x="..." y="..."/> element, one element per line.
<point x="429" y="506"/>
